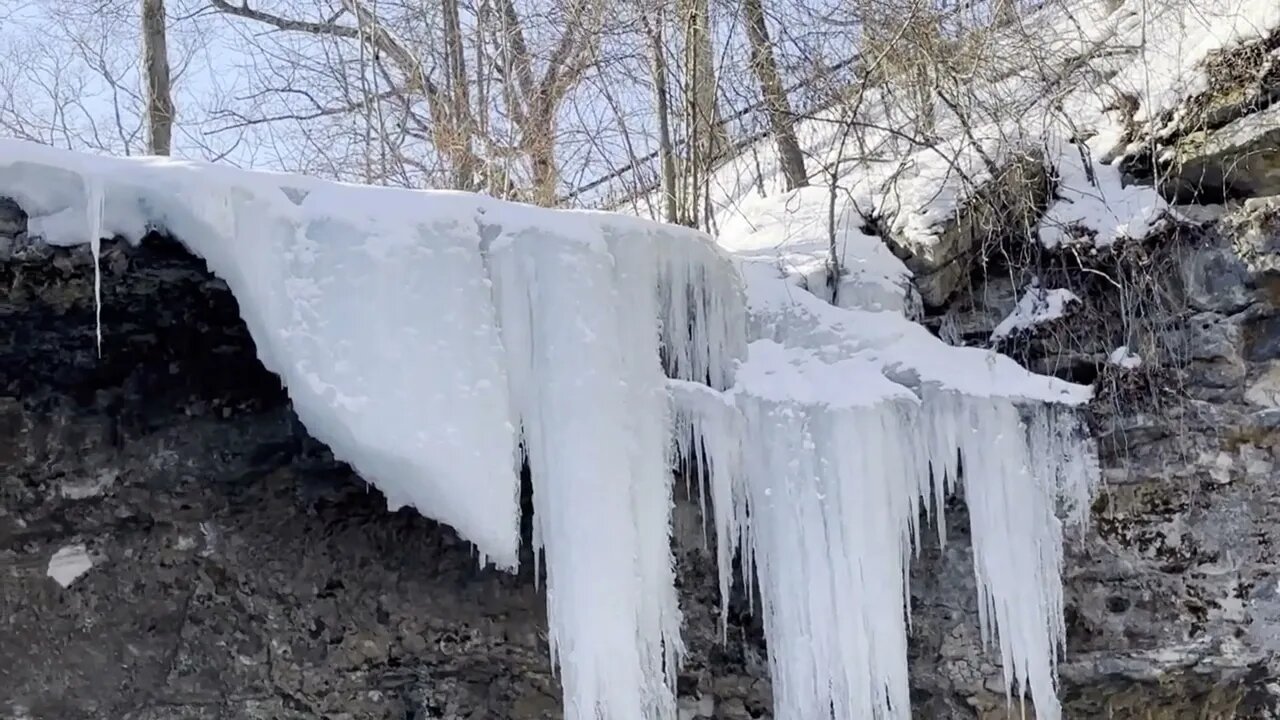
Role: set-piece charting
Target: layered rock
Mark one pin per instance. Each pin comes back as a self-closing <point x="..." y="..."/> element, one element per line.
<point x="1222" y="141"/>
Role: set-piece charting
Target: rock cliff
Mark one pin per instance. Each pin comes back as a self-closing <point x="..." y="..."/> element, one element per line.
<point x="235" y="570"/>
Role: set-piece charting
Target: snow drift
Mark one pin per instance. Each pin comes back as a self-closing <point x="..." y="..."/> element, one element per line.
<point x="436" y="340"/>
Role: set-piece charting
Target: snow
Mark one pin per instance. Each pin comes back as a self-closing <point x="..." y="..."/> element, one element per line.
<point x="326" y="277"/>
<point x="794" y="232"/>
<point x="1176" y="38"/>
<point x="1122" y="357"/>
<point x="1048" y="88"/>
<point x="68" y="564"/>
<point x="1094" y="206"/>
<point x="902" y="350"/>
<point x="436" y="339"/>
<point x="1036" y="306"/>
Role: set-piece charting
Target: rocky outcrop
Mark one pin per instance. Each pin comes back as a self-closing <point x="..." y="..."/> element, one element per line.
<point x="1222" y="142"/>
<point x="1009" y="203"/>
<point x="1174" y="593"/>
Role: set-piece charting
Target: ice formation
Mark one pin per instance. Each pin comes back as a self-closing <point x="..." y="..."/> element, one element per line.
<point x="843" y="428"/>
<point x="436" y="340"/>
<point x="581" y="327"/>
<point x="429" y="338"/>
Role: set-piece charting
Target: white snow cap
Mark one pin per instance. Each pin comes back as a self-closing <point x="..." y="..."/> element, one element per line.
<point x="1037" y="305"/>
<point x="1125" y="358"/>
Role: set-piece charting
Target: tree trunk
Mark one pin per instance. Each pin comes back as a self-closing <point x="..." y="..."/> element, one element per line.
<point x="539" y="146"/>
<point x="776" y="103"/>
<point x="662" y="97"/>
<point x="467" y="168"/>
<point x="155" y="55"/>
<point x="701" y="81"/>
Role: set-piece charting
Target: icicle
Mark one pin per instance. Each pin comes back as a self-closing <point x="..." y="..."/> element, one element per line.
<point x="1011" y="491"/>
<point x="715" y="428"/>
<point x="833" y="497"/>
<point x="644" y="384"/>
<point x="95" y="207"/>
<point x="809" y="436"/>
<point x="703" y="311"/>
<point x="1056" y="438"/>
<point x="580" y="320"/>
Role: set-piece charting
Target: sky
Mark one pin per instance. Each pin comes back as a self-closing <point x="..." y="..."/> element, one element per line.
<point x="69" y="77"/>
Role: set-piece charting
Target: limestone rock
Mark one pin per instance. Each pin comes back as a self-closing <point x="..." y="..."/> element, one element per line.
<point x="1215" y="279"/>
<point x="1223" y="141"/>
<point x="1005" y="205"/>
<point x="1265" y="389"/>
<point x="1241" y="158"/>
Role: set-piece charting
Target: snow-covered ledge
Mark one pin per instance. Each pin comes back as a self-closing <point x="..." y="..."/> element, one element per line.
<point x="430" y="337"/>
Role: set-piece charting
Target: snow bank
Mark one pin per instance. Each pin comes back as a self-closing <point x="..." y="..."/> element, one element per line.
<point x="794" y="233"/>
<point x="1049" y="84"/>
<point x="1176" y="38"/>
<point x="1092" y="205"/>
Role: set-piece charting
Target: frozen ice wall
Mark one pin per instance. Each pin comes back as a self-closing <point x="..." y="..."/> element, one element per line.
<point x="845" y="430"/>
<point x="437" y="340"/>
<point x="429" y="338"/>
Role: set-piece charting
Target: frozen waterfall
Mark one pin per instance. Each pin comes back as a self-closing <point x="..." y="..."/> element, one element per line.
<point x="437" y="340"/>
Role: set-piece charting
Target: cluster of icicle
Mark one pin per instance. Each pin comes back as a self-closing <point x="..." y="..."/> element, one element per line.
<point x="822" y="501"/>
<point x="435" y="341"/>
<point x="582" y="331"/>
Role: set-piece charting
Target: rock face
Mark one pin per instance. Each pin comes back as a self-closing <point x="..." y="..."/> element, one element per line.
<point x="1174" y="593"/>
<point x="238" y="571"/>
<point x="225" y="566"/>
<point x="1225" y="140"/>
<point x="1008" y="203"/>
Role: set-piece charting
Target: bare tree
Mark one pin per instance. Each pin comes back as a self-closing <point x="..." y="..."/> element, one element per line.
<point x="706" y="141"/>
<point x="701" y="73"/>
<point x="776" y="103"/>
<point x="155" y="58"/>
<point x="461" y="84"/>
<point x="75" y="74"/>
<point x="666" y="149"/>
